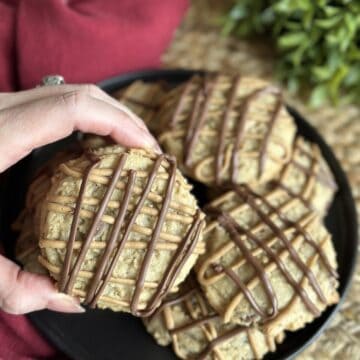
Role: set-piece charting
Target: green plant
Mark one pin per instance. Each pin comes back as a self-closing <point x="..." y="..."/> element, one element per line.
<point x="317" y="41"/>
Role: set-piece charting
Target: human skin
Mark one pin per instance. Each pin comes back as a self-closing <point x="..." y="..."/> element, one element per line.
<point x="32" y="118"/>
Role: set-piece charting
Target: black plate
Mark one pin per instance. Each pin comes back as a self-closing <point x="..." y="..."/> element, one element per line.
<point x="106" y="335"/>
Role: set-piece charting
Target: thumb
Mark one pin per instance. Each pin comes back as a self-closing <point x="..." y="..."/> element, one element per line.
<point x="22" y="292"/>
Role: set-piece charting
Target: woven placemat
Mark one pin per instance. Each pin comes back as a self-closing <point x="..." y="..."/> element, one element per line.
<point x="199" y="45"/>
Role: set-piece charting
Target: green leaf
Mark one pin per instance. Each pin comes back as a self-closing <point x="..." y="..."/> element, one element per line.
<point x="283" y="6"/>
<point x="354" y="54"/>
<point x="296" y="56"/>
<point x="317" y="42"/>
<point x="335" y="82"/>
<point x="351" y="22"/>
<point x="353" y="76"/>
<point x="291" y="40"/>
<point x="321" y="73"/>
<point x="292" y="26"/>
<point x="331" y="10"/>
<point x="328" y="23"/>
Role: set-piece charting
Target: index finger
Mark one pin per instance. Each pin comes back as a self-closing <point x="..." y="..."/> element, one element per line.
<point x="33" y="124"/>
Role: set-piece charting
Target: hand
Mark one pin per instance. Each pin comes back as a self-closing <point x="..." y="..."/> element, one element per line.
<point x="36" y="117"/>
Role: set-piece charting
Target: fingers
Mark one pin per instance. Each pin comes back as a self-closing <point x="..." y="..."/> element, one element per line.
<point x="22" y="292"/>
<point x="39" y="122"/>
<point x="10" y="100"/>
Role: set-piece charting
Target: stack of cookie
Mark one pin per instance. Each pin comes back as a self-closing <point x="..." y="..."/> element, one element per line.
<point x="119" y="228"/>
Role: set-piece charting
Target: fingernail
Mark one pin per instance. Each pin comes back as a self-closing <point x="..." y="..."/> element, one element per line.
<point x="65" y="303"/>
<point x="158" y="149"/>
<point x="152" y="143"/>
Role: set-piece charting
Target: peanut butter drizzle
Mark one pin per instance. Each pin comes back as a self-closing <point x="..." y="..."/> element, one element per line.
<point x="70" y="280"/>
<point x="249" y="196"/>
<point x="199" y="112"/>
<point x="171" y="302"/>
<point x="241" y="129"/>
<point x="155" y="236"/>
<point x="75" y="223"/>
<point x="206" y="317"/>
<point x="321" y="176"/>
<point x="181" y="103"/>
<point x="194" y="323"/>
<point x="272" y="255"/>
<point x="220" y="152"/>
<point x="196" y="122"/>
<point x="105" y="269"/>
<point x="305" y="201"/>
<point x="93" y="294"/>
<point x="235" y="231"/>
<point x="183" y="252"/>
<point x="221" y="339"/>
<point x="300" y="230"/>
<point x="265" y="142"/>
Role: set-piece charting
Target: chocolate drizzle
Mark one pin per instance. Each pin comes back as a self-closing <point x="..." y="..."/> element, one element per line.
<point x="274" y="116"/>
<point x="116" y="243"/>
<point x="181" y="103"/>
<point x="299" y="229"/>
<point x="237" y="233"/>
<point x="241" y="129"/>
<point x="198" y="116"/>
<point x="63" y="284"/>
<point x="230" y="105"/>
<point x="219" y="340"/>
<point x="314" y="173"/>
<point x="292" y="193"/>
<point x="177" y="300"/>
<point x="183" y="252"/>
<point x="194" y="323"/>
<point x="206" y="319"/>
<point x="98" y="285"/>
<point x="320" y="175"/>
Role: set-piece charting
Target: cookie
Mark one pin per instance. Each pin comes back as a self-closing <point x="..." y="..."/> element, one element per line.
<point x="42" y="183"/>
<point x="269" y="260"/>
<point x="141" y="98"/>
<point x="28" y="222"/>
<point x="91" y="141"/>
<point x="26" y="249"/>
<point x="120" y="229"/>
<point x="308" y="176"/>
<point x="225" y="129"/>
<point x="195" y="331"/>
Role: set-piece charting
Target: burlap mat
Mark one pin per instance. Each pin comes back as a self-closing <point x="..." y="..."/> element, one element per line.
<point x="198" y="45"/>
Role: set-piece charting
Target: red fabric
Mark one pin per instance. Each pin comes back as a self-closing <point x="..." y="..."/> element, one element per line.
<point x="7" y="45"/>
<point x="85" y="41"/>
<point x="20" y="341"/>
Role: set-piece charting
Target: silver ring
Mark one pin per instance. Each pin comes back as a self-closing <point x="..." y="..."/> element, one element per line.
<point x="50" y="80"/>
